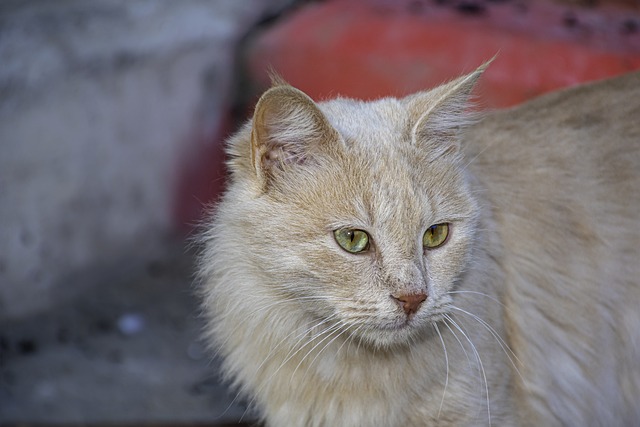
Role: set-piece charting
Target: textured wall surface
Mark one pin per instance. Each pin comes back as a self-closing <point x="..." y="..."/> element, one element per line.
<point x="102" y="104"/>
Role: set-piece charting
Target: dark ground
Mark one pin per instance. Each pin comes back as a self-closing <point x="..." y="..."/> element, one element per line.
<point x="126" y="350"/>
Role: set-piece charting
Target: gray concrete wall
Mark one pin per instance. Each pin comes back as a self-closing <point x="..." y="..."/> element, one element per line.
<point x="101" y="102"/>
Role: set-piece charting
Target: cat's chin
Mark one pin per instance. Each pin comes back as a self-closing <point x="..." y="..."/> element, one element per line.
<point x="396" y="335"/>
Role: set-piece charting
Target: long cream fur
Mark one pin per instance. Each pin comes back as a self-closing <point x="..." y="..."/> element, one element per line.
<point x="533" y="309"/>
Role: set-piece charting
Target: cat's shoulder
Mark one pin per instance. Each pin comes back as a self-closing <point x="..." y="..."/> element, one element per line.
<point x="580" y="106"/>
<point x="580" y="125"/>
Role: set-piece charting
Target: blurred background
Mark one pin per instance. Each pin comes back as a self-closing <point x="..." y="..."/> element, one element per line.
<point x="112" y="118"/>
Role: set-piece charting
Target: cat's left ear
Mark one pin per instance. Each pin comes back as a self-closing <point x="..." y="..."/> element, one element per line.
<point x="438" y="115"/>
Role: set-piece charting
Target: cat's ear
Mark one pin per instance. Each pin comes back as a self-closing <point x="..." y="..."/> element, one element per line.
<point x="287" y="128"/>
<point x="438" y="115"/>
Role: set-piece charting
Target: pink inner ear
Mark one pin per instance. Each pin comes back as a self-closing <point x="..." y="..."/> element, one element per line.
<point x="277" y="156"/>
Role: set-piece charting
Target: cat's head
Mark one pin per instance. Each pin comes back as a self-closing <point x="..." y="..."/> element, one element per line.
<point x="358" y="213"/>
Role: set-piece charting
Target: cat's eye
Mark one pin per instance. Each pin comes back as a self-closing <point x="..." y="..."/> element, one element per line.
<point x="351" y="240"/>
<point x="435" y="236"/>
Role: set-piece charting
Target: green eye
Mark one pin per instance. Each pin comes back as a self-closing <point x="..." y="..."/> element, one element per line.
<point x="435" y="236"/>
<point x="353" y="241"/>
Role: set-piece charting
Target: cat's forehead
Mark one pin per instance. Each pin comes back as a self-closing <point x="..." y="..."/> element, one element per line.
<point x="385" y="185"/>
<point x="382" y="121"/>
<point x="381" y="178"/>
<point x="379" y="149"/>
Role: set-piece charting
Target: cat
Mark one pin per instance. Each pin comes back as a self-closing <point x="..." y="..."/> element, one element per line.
<point x="404" y="262"/>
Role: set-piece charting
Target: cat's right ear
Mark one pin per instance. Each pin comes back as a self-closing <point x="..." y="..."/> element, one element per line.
<point x="440" y="114"/>
<point x="287" y="128"/>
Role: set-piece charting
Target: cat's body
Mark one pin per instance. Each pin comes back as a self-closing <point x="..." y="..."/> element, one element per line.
<point x="569" y="222"/>
<point x="528" y="313"/>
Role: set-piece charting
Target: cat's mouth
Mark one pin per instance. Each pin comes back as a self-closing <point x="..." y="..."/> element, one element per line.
<point x="405" y="321"/>
<point x="403" y="325"/>
<point x="389" y="325"/>
<point x="397" y="330"/>
<point x="406" y="328"/>
<point x="391" y="334"/>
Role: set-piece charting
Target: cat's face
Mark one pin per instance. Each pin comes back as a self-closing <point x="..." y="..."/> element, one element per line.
<point x="361" y="214"/>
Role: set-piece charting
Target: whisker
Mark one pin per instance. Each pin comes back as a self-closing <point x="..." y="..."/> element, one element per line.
<point x="295" y="349"/>
<point x="464" y="168"/>
<point x="291" y="354"/>
<point x="353" y="335"/>
<point x="447" y="318"/>
<point x="349" y="339"/>
<point x="497" y="337"/>
<point x="484" y="295"/>
<point x="479" y="359"/>
<point x="277" y="302"/>
<point x="446" y="359"/>
<point x="260" y="309"/>
<point x="328" y="332"/>
<point x="285" y="339"/>
<point x="343" y="331"/>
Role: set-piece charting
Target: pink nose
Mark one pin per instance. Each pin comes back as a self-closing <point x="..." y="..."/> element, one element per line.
<point x="410" y="303"/>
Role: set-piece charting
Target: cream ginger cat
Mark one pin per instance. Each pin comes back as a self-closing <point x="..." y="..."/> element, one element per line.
<point x="396" y="263"/>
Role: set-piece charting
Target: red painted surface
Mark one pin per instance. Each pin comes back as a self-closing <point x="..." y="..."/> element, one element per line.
<point x="372" y="48"/>
<point x="201" y="178"/>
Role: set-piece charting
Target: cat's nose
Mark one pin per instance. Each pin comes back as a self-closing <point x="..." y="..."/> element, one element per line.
<point x="410" y="303"/>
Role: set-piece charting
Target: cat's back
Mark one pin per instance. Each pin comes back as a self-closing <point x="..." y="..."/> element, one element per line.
<point x="568" y="162"/>
<point x="561" y="176"/>
<point x="591" y="133"/>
